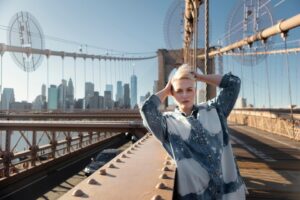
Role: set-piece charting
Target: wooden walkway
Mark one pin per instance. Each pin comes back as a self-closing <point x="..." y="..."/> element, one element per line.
<point x="270" y="164"/>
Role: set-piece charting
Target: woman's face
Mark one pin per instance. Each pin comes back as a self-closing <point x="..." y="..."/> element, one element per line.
<point x="184" y="93"/>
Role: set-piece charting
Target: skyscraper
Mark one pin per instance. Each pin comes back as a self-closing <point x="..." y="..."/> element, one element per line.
<point x="70" y="95"/>
<point x="107" y="100"/>
<point x="109" y="87"/>
<point x="62" y="91"/>
<point x="8" y="97"/>
<point x="126" y="96"/>
<point x="120" y="95"/>
<point x="133" y="90"/>
<point x="52" y="97"/>
<point x="89" y="92"/>
<point x="44" y="90"/>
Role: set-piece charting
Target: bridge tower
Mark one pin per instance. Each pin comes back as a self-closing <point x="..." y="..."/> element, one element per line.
<point x="170" y="59"/>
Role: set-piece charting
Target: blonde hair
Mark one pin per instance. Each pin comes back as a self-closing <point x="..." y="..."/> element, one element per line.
<point x="184" y="72"/>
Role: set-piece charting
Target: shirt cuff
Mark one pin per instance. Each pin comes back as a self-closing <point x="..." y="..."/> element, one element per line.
<point x="155" y="100"/>
<point x="225" y="80"/>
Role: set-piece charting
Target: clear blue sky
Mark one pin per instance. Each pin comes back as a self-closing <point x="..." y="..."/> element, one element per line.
<point x="123" y="25"/>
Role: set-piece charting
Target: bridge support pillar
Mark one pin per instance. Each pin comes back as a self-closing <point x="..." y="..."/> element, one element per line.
<point x="7" y="155"/>
<point x="53" y="143"/>
<point x="34" y="149"/>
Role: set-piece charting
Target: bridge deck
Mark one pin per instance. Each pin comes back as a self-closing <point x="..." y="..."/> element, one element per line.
<point x="270" y="164"/>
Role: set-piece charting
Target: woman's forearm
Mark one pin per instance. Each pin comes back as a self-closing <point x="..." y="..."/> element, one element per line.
<point x="213" y="79"/>
<point x="162" y="95"/>
<point x="167" y="91"/>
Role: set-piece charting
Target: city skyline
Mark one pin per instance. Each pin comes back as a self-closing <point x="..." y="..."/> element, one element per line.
<point x="61" y="97"/>
<point x="93" y="34"/>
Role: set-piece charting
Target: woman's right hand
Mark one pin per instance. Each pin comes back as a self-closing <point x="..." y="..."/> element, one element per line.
<point x="167" y="91"/>
<point x="168" y="88"/>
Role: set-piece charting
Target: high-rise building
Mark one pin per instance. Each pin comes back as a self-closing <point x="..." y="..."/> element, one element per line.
<point x="8" y="97"/>
<point x="52" y="97"/>
<point x="119" y="95"/>
<point x="89" y="92"/>
<point x="38" y="103"/>
<point x="109" y="87"/>
<point x="70" y="95"/>
<point x="94" y="101"/>
<point x="126" y="96"/>
<point x="44" y="90"/>
<point x="20" y="106"/>
<point x="107" y="100"/>
<point x="101" y="102"/>
<point x="62" y="93"/>
<point x="133" y="91"/>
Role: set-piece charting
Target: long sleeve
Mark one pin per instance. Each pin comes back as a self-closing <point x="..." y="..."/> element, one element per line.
<point x="153" y="119"/>
<point x="227" y="97"/>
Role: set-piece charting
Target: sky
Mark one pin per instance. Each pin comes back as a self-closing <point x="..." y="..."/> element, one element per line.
<point x="135" y="27"/>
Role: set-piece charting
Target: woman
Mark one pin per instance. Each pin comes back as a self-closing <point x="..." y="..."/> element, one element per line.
<point x="196" y="136"/>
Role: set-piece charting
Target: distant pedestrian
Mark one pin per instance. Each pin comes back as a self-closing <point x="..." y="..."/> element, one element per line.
<point x="197" y="136"/>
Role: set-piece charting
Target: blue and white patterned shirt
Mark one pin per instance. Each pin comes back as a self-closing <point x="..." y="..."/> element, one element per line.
<point x="199" y="144"/>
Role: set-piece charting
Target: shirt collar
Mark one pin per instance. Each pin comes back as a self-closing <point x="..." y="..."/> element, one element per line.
<point x="193" y="113"/>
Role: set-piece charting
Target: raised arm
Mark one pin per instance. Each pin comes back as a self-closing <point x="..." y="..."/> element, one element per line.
<point x="231" y="87"/>
<point x="153" y="119"/>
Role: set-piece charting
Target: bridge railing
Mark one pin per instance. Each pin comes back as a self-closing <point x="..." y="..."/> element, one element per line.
<point x="274" y="121"/>
<point x="75" y="115"/>
<point x="44" y="141"/>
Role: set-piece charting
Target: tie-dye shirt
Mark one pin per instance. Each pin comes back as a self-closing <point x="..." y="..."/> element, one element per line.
<point x="199" y="144"/>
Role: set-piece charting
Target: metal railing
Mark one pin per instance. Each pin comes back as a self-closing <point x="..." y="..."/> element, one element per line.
<point x="44" y="141"/>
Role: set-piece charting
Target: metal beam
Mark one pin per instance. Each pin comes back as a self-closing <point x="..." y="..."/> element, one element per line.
<point x="48" y="52"/>
<point x="281" y="27"/>
<point x="279" y="51"/>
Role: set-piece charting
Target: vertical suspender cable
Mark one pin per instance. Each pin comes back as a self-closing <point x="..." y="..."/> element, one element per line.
<point x="105" y="74"/>
<point x="268" y="84"/>
<point x="252" y="77"/>
<point x="242" y="73"/>
<point x="84" y="68"/>
<point x="93" y="74"/>
<point x="47" y="57"/>
<point x="195" y="42"/>
<point x="289" y="83"/>
<point x="63" y="86"/>
<point x="75" y="78"/>
<point x="99" y="77"/>
<point x="206" y="42"/>
<point x="1" y="86"/>
<point x="268" y="77"/>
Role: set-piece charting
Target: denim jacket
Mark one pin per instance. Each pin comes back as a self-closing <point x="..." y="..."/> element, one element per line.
<point x="199" y="144"/>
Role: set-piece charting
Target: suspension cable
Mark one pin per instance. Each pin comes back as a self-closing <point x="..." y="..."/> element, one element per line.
<point x="268" y="76"/>
<point x="242" y="73"/>
<point x="195" y="44"/>
<point x="1" y="86"/>
<point x="47" y="57"/>
<point x="252" y="77"/>
<point x="206" y="44"/>
<point x="284" y="35"/>
<point x="75" y="78"/>
<point x="99" y="77"/>
<point x="93" y="74"/>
